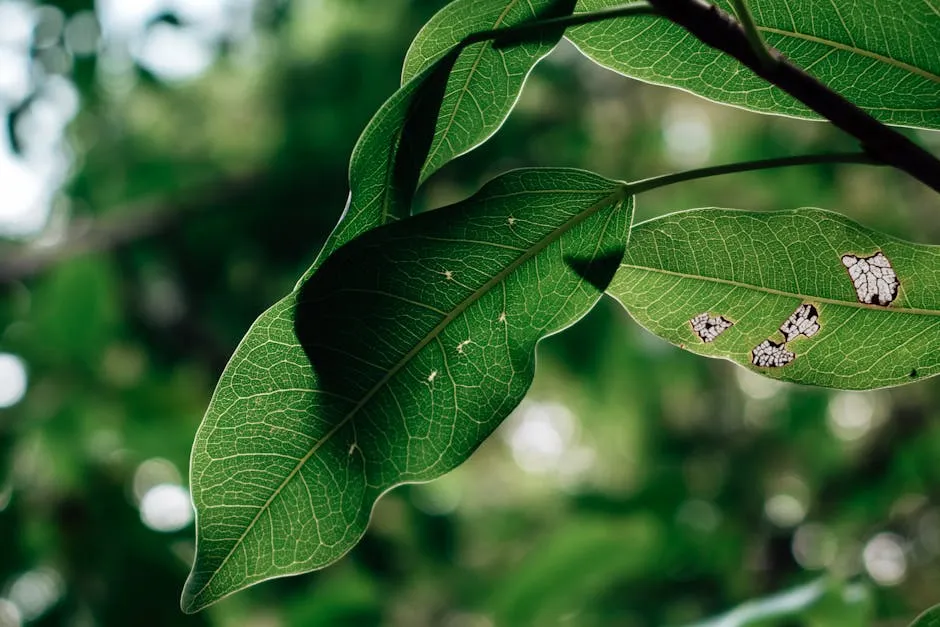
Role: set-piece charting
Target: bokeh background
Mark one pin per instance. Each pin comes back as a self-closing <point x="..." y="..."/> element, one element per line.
<point x="167" y="170"/>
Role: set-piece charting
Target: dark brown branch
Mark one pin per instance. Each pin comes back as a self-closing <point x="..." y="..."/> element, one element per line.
<point x="719" y="30"/>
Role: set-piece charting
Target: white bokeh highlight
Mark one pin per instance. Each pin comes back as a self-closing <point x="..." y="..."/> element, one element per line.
<point x="166" y="507"/>
<point x="13" y="380"/>
<point x="10" y="614"/>
<point x="35" y="592"/>
<point x="885" y="559"/>
<point x="852" y="415"/>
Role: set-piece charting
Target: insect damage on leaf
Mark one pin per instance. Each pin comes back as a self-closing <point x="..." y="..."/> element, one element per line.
<point x="803" y="321"/>
<point x="769" y="354"/>
<point x="875" y="280"/>
<point x="708" y="327"/>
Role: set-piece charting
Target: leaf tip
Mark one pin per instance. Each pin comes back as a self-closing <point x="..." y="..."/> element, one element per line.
<point x="193" y="599"/>
<point x="188" y="604"/>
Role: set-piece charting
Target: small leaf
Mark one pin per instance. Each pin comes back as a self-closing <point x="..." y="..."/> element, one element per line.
<point x="930" y="618"/>
<point x="809" y="296"/>
<point x="880" y="54"/>
<point x="850" y="602"/>
<point x="421" y="335"/>
<point x="486" y="81"/>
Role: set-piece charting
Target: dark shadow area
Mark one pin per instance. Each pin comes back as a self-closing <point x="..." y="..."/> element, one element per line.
<point x="417" y="133"/>
<point x="408" y="156"/>
<point x="598" y="271"/>
<point x="549" y="34"/>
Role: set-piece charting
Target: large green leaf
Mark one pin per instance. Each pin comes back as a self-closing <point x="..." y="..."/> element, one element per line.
<point x="930" y="618"/>
<point x="265" y="374"/>
<point x="746" y="278"/>
<point x="421" y="335"/>
<point x="881" y="55"/>
<point x="486" y="81"/>
<point x="384" y="171"/>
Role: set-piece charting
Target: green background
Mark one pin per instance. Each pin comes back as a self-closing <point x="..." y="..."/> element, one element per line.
<point x="638" y="485"/>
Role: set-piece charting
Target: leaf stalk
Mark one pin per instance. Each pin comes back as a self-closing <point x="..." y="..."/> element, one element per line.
<point x="767" y="57"/>
<point x="655" y="182"/>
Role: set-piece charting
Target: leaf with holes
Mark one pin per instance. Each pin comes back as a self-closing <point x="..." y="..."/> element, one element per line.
<point x="486" y="81"/>
<point x="881" y="55"/>
<point x="807" y="295"/>
<point x="421" y="335"/>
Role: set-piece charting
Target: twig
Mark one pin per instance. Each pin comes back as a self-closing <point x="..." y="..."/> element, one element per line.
<point x="719" y="30"/>
<point x="528" y="31"/>
<point x="750" y="29"/>
<point x="655" y="182"/>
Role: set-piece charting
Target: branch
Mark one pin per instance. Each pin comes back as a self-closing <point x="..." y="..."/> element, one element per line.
<point x="120" y="227"/>
<point x="719" y="30"/>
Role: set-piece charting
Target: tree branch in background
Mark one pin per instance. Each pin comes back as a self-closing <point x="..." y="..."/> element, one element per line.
<point x="121" y="226"/>
<point x="719" y="30"/>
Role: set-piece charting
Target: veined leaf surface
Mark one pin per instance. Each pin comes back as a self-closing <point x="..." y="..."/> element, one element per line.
<point x="421" y="335"/>
<point x="881" y="55"/>
<point x="269" y="372"/>
<point x="485" y="82"/>
<point x="386" y="162"/>
<point x="763" y="277"/>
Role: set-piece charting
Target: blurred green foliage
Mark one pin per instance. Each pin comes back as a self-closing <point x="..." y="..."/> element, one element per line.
<point x="639" y="485"/>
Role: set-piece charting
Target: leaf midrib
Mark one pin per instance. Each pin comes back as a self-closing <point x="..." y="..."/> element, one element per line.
<point x="617" y="195"/>
<point x="853" y="49"/>
<point x="776" y="292"/>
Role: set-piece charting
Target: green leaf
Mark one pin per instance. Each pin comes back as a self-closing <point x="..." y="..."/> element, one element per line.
<point x="387" y="161"/>
<point x="269" y="372"/>
<point x="759" y="272"/>
<point x="486" y="81"/>
<point x="930" y="618"/>
<point x="881" y="55"/>
<point x="421" y="335"/>
<point x="850" y="603"/>
<point x="384" y="171"/>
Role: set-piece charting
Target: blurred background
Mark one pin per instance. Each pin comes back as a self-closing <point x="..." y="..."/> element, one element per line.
<point x="168" y="168"/>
